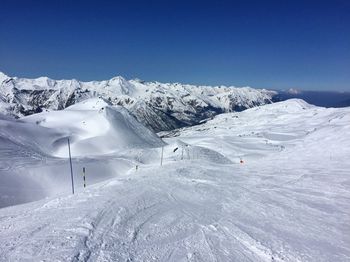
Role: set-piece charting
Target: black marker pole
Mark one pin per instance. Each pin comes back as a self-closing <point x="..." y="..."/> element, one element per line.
<point x="84" y="177"/>
<point x="71" y="168"/>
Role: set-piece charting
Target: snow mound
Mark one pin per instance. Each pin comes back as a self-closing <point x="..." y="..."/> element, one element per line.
<point x="95" y="128"/>
<point x="90" y="104"/>
<point x="289" y="106"/>
<point x="33" y="150"/>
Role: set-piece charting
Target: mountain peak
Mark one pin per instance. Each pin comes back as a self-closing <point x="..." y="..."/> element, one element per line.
<point x="118" y="80"/>
<point x="3" y="77"/>
<point x="160" y="106"/>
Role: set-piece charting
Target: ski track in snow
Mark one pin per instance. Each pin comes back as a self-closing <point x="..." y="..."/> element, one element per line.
<point x="289" y="201"/>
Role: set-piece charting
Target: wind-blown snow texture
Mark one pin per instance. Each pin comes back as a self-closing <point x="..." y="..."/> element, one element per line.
<point x="288" y="201"/>
<point x="158" y="106"/>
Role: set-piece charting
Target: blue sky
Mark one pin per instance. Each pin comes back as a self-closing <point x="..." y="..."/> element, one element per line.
<point x="263" y="44"/>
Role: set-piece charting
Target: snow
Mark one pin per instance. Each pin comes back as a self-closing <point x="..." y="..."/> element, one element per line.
<point x="288" y="201"/>
<point x="159" y="106"/>
<point x="34" y="148"/>
<point x="3" y="77"/>
<point x="95" y="127"/>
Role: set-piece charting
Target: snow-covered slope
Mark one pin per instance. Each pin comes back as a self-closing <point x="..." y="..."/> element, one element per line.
<point x="95" y="127"/>
<point x="157" y="105"/>
<point x="29" y="148"/>
<point x="288" y="201"/>
<point x="272" y="128"/>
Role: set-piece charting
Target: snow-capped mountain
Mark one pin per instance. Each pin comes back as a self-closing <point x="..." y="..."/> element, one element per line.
<point x="159" y="106"/>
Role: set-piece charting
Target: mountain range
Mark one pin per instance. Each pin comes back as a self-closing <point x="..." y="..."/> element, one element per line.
<point x="159" y="106"/>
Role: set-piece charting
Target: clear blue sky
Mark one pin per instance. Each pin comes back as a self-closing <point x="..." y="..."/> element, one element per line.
<point x="264" y="44"/>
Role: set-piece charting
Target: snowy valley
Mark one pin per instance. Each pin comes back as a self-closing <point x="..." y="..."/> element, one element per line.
<point x="271" y="183"/>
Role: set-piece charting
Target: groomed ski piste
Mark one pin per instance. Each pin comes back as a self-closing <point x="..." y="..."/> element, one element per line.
<point x="271" y="183"/>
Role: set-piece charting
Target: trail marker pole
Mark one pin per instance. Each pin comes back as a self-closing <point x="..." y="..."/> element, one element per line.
<point x="84" y="177"/>
<point x="161" y="158"/>
<point x="71" y="167"/>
